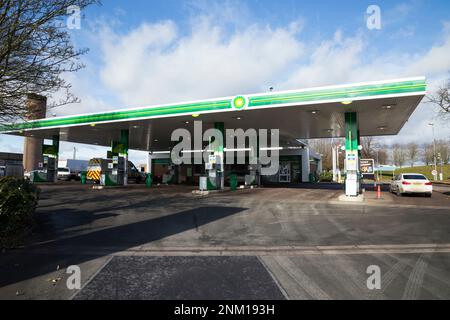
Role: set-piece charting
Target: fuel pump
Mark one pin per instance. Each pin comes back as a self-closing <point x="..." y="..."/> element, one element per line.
<point x="214" y="167"/>
<point x="50" y="159"/>
<point x="49" y="167"/>
<point x="121" y="171"/>
<point x="219" y="171"/>
<point x="352" y="168"/>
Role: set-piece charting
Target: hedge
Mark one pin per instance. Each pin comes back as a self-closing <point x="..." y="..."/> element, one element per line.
<point x="326" y="176"/>
<point x="18" y="200"/>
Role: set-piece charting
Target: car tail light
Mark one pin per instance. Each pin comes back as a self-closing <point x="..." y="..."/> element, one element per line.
<point x="428" y="184"/>
<point x="405" y="183"/>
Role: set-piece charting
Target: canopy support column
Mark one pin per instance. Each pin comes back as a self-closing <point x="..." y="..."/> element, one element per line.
<point x="124" y="137"/>
<point x="351" y="154"/>
<point x="219" y="153"/>
<point x="149" y="162"/>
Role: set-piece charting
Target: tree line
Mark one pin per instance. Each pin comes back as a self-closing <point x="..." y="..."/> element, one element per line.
<point x="399" y="154"/>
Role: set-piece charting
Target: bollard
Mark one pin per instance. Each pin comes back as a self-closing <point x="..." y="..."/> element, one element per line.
<point x="233" y="182"/>
<point x="379" y="192"/>
<point x="83" y="177"/>
<point x="148" y="180"/>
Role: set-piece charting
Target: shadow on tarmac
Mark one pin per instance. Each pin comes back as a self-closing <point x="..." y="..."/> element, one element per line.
<point x="27" y="265"/>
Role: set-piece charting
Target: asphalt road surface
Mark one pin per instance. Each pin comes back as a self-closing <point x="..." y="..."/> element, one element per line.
<point x="269" y="243"/>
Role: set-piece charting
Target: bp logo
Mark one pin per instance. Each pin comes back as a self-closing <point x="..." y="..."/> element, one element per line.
<point x="239" y="102"/>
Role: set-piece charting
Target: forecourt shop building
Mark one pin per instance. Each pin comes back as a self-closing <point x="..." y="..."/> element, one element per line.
<point x="350" y="111"/>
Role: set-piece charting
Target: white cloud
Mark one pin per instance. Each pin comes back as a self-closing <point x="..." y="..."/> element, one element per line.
<point x="436" y="61"/>
<point x="331" y="61"/>
<point x="341" y="60"/>
<point x="154" y="64"/>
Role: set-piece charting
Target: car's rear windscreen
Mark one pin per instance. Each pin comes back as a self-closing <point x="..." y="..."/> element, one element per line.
<point x="413" y="177"/>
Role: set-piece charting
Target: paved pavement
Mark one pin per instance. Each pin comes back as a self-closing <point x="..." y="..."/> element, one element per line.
<point x="296" y="243"/>
<point x="175" y="278"/>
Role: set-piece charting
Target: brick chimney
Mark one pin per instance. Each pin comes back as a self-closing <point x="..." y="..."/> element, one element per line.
<point x="32" y="149"/>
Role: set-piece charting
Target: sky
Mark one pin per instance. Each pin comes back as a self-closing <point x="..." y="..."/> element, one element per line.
<point x="149" y="52"/>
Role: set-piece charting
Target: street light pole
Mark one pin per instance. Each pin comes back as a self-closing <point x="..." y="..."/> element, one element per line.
<point x="338" y="152"/>
<point x="378" y="166"/>
<point x="434" y="151"/>
<point x="441" y="175"/>
<point x="333" y="159"/>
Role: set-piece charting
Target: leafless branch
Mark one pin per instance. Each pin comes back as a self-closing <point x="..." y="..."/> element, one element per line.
<point x="35" y="52"/>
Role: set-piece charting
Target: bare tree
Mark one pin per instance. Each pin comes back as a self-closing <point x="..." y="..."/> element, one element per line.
<point x="441" y="98"/>
<point x="35" y="52"/>
<point x="398" y="155"/>
<point x="369" y="147"/>
<point x="412" y="152"/>
<point x="372" y="149"/>
<point x="382" y="155"/>
<point x="427" y="154"/>
<point x="324" y="147"/>
<point x="443" y="151"/>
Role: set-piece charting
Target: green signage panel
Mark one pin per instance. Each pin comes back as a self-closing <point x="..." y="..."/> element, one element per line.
<point x="49" y="149"/>
<point x="337" y="93"/>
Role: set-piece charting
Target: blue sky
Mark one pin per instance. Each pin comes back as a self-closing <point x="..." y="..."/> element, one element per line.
<point x="147" y="52"/>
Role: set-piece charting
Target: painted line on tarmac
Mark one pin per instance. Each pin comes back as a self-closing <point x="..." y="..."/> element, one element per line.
<point x="248" y="250"/>
<point x="387" y="205"/>
<point x="370" y="203"/>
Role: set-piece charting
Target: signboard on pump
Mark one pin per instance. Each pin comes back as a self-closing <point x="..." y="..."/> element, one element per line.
<point x="352" y="160"/>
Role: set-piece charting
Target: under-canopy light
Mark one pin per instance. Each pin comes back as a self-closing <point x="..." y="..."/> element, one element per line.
<point x="271" y="149"/>
<point x="193" y="151"/>
<point x="236" y="149"/>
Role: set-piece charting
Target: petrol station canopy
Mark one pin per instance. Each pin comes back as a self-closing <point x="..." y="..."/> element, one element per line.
<point x="382" y="108"/>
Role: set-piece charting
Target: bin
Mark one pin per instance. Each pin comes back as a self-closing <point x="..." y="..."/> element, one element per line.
<point x="233" y="182"/>
<point x="83" y="177"/>
<point x="148" y="180"/>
